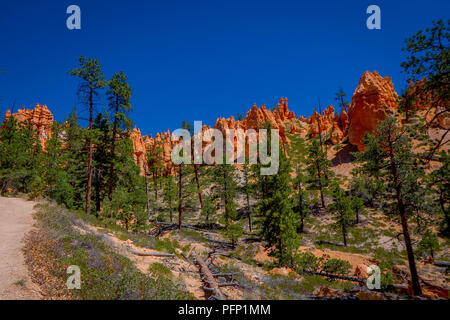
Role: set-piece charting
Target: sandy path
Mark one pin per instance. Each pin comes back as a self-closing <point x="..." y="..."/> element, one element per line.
<point x="15" y="221"/>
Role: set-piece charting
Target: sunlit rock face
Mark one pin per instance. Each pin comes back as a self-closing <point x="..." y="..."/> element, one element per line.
<point x="40" y="118"/>
<point x="374" y="98"/>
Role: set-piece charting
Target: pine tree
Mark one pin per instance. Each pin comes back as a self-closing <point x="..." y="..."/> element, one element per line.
<point x="429" y="244"/>
<point x="440" y="184"/>
<point x="55" y="177"/>
<point x="302" y="203"/>
<point x="247" y="189"/>
<point x="279" y="220"/>
<point x="20" y="156"/>
<point x="428" y="62"/>
<point x="319" y="174"/>
<point x="170" y="193"/>
<point x="102" y="158"/>
<point x="388" y="157"/>
<point x="340" y="98"/>
<point x="119" y="95"/>
<point x="155" y="164"/>
<point x="225" y="188"/>
<point x="74" y="157"/>
<point x="92" y="81"/>
<point x="343" y="209"/>
<point x="301" y="199"/>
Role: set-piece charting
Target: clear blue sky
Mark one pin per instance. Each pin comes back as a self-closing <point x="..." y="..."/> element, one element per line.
<point x="198" y="60"/>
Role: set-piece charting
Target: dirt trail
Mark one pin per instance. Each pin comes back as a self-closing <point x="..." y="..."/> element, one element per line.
<point x="15" y="221"/>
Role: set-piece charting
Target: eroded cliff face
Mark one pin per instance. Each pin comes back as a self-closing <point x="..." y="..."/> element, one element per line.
<point x="40" y="117"/>
<point x="255" y="117"/>
<point x="373" y="100"/>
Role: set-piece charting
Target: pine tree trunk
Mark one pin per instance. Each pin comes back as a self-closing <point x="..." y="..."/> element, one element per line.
<point x="404" y="221"/>
<point x="113" y="146"/>
<point x="249" y="213"/>
<point x="146" y="188"/>
<point x="155" y="182"/>
<point x="180" y="179"/>
<point x="320" y="184"/>
<point x="97" y="193"/>
<point x="198" y="186"/>
<point x="344" y="234"/>
<point x="89" y="170"/>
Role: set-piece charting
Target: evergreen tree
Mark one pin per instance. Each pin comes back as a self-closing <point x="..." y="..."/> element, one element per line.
<point x="388" y="157"/>
<point x="340" y="98"/>
<point x="318" y="173"/>
<point x="209" y="207"/>
<point x="20" y="155"/>
<point x="74" y="157"/>
<point x="440" y="184"/>
<point x="279" y="220"/>
<point x="247" y="189"/>
<point x="301" y="199"/>
<point x="225" y="189"/>
<point x="170" y="193"/>
<point x="343" y="209"/>
<point x="92" y="81"/>
<point x="119" y="95"/>
<point x="429" y="244"/>
<point x="102" y="158"/>
<point x="428" y="62"/>
<point x="55" y="178"/>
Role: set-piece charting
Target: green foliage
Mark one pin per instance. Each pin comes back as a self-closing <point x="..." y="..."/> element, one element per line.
<point x="106" y="275"/>
<point x="340" y="98"/>
<point x="306" y="261"/>
<point x="440" y="183"/>
<point x="20" y="157"/>
<point x="318" y="169"/>
<point x="170" y="193"/>
<point x="119" y="94"/>
<point x="429" y="54"/>
<point x="342" y="208"/>
<point x="160" y="270"/>
<point x="337" y="266"/>
<point x="279" y="220"/>
<point x="428" y="245"/>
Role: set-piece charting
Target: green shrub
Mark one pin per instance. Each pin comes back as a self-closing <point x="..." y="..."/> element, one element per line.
<point x="160" y="270"/>
<point x="337" y="266"/>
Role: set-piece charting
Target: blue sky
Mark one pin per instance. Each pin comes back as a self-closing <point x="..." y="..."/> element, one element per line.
<point x="198" y="60"/>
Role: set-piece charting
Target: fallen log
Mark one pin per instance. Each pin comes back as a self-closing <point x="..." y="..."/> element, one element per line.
<point x="224" y="274"/>
<point x="439" y="263"/>
<point x="335" y="276"/>
<point x="229" y="284"/>
<point x="208" y="278"/>
<point x="329" y="242"/>
<point x="228" y="244"/>
<point x="155" y="254"/>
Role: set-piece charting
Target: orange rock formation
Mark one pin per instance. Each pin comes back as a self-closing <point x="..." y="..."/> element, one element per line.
<point x="40" y="117"/>
<point x="374" y="98"/>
